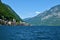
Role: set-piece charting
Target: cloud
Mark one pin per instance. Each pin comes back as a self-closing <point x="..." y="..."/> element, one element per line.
<point x="37" y="12"/>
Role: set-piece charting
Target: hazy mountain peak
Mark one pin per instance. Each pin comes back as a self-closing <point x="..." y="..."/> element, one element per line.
<point x="55" y="8"/>
<point x="50" y="17"/>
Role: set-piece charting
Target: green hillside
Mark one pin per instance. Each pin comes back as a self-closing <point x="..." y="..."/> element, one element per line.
<point x="7" y="13"/>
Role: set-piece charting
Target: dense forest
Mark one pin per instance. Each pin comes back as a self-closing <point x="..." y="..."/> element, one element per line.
<point x="7" y="13"/>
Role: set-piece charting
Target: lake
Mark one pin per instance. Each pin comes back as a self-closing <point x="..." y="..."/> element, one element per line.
<point x="29" y="33"/>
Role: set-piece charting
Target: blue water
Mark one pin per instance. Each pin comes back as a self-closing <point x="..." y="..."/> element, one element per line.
<point x="29" y="33"/>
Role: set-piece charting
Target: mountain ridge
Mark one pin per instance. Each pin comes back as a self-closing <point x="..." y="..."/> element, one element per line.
<point x="50" y="17"/>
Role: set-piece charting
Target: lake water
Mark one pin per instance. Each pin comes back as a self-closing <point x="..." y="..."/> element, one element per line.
<point x="29" y="33"/>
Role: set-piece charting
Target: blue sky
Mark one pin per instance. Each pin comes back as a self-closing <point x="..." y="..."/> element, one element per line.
<point x="30" y="8"/>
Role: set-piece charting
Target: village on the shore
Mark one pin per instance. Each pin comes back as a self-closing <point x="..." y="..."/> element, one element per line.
<point x="6" y="20"/>
<point x="3" y="22"/>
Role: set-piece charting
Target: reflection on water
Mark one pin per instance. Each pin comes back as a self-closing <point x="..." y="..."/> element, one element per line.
<point x="29" y="33"/>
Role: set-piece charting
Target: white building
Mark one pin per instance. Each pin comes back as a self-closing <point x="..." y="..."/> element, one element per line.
<point x="9" y="23"/>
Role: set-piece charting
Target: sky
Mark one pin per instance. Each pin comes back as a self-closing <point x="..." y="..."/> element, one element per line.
<point x="30" y="8"/>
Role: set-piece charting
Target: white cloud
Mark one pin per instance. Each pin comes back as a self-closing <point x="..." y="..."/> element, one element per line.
<point x="37" y="12"/>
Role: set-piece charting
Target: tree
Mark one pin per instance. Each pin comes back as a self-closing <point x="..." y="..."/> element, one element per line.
<point x="3" y="17"/>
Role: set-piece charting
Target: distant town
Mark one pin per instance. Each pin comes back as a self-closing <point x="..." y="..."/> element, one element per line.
<point x="3" y="22"/>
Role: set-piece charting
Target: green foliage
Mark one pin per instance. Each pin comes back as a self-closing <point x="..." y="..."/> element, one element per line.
<point x="7" y="13"/>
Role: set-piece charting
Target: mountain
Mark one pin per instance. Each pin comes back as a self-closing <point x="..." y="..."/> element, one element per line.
<point x="49" y="17"/>
<point x="27" y="18"/>
<point x="7" y="13"/>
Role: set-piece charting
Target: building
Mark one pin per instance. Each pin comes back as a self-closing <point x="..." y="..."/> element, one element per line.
<point x="9" y="22"/>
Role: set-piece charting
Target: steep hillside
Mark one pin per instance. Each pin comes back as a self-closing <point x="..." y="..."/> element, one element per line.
<point x="7" y="13"/>
<point x="50" y="17"/>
